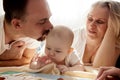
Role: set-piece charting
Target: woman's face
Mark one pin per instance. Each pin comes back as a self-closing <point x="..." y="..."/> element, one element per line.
<point x="97" y="22"/>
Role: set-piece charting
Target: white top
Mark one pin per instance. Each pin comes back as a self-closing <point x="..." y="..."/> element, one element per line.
<point x="72" y="59"/>
<point x="2" y="36"/>
<point x="79" y="41"/>
<point x="30" y="42"/>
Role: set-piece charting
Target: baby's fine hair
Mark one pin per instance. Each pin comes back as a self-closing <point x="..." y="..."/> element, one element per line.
<point x="63" y="33"/>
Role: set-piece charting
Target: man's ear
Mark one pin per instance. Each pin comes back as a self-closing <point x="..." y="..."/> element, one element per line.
<point x="16" y="23"/>
<point x="70" y="50"/>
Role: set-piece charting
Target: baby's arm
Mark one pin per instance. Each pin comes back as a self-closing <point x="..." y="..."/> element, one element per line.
<point x="74" y="62"/>
<point x="76" y="67"/>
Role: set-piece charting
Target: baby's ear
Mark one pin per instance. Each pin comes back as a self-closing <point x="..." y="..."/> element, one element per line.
<point x="70" y="50"/>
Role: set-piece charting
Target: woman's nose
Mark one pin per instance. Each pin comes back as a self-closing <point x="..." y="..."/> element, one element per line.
<point x="93" y="24"/>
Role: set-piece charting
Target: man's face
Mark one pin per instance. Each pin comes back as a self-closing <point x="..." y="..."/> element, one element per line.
<point x="36" y="23"/>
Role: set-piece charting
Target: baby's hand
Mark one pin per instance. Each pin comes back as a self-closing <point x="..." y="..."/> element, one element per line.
<point x="39" y="62"/>
<point x="44" y="60"/>
<point x="63" y="68"/>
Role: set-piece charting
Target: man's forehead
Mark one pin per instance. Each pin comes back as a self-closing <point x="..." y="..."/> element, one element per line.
<point x="38" y="8"/>
<point x="36" y="3"/>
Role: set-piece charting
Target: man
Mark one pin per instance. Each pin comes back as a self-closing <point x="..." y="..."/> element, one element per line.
<point x="23" y="18"/>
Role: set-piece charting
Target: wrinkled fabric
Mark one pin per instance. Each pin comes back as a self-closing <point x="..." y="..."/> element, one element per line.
<point x="30" y="42"/>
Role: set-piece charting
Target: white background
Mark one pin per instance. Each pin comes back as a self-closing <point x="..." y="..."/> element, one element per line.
<point x="69" y="12"/>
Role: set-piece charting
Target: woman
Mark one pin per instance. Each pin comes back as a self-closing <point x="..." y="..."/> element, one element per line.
<point x="99" y="44"/>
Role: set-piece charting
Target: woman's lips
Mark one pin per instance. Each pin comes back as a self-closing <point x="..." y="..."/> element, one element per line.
<point x="91" y="31"/>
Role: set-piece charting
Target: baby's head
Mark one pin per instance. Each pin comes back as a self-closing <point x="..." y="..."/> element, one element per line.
<point x="63" y="34"/>
<point x="58" y="43"/>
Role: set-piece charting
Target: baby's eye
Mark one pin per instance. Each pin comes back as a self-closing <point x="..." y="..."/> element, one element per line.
<point x="58" y="51"/>
<point x="48" y="48"/>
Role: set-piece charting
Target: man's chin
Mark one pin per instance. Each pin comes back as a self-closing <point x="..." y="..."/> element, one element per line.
<point x="41" y="38"/>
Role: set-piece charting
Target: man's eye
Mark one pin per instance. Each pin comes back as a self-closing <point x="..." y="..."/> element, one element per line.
<point x="43" y="21"/>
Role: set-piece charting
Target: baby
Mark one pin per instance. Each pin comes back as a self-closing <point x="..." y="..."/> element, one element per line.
<point x="58" y="50"/>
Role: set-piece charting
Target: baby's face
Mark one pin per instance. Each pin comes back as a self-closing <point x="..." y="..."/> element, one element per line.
<point x="56" y="49"/>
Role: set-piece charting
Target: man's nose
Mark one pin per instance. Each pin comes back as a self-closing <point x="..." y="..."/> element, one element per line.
<point x="49" y="26"/>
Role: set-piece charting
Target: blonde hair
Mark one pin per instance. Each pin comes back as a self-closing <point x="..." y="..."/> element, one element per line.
<point x="114" y="15"/>
<point x="63" y="33"/>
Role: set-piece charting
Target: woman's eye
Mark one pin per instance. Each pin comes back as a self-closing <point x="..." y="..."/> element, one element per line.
<point x="100" y="22"/>
<point x="90" y="19"/>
